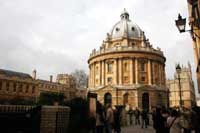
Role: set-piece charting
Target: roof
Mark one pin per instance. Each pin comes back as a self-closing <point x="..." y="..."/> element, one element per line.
<point x="10" y="73"/>
<point x="126" y="28"/>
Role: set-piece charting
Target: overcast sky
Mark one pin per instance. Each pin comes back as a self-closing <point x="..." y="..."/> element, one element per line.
<point x="57" y="36"/>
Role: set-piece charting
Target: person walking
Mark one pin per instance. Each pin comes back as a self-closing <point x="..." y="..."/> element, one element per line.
<point x="144" y="118"/>
<point x="158" y="121"/>
<point x="130" y="112"/>
<point x="173" y="122"/>
<point x="109" y="118"/>
<point x="117" y="120"/>
<point x="165" y="114"/>
<point x="196" y="119"/>
<point x="137" y="116"/>
<point x="100" y="118"/>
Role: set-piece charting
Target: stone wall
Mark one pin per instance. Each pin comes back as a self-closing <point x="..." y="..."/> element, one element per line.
<point x="54" y="119"/>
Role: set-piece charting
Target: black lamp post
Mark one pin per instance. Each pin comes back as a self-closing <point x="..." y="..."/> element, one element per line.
<point x="178" y="70"/>
<point x="181" y="23"/>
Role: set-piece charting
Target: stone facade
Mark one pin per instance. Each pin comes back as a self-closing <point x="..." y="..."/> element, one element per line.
<point x="194" y="17"/>
<point x="187" y="89"/>
<point x="64" y="84"/>
<point x="127" y="70"/>
<point x="17" y="85"/>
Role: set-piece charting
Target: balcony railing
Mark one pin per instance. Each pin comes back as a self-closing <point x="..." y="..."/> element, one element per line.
<point x="132" y="49"/>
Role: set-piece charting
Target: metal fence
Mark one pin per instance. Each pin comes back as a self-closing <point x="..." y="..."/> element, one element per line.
<point x="34" y="119"/>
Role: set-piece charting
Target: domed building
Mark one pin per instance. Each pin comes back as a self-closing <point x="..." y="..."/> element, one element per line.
<point x="127" y="70"/>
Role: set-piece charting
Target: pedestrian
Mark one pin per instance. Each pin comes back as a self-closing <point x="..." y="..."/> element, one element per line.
<point x="100" y="118"/>
<point x="196" y="119"/>
<point x="158" y="120"/>
<point x="117" y="119"/>
<point x="173" y="122"/>
<point x="165" y="114"/>
<point x="137" y="116"/>
<point x="144" y="118"/>
<point x="130" y="112"/>
<point x="109" y="118"/>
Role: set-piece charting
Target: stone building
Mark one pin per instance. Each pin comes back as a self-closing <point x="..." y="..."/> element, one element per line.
<point x="66" y="79"/>
<point x="127" y="70"/>
<point x="187" y="89"/>
<point x="194" y="17"/>
<point x="64" y="84"/>
<point x="17" y="85"/>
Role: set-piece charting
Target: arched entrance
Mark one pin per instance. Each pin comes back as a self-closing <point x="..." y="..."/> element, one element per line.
<point x="145" y="101"/>
<point x="125" y="99"/>
<point x="107" y="98"/>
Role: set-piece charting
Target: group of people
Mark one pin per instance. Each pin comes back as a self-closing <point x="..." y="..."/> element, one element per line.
<point x="137" y="113"/>
<point x="175" y="121"/>
<point x="108" y="119"/>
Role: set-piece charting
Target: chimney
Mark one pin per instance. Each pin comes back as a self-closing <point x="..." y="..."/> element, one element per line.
<point x="34" y="74"/>
<point x="51" y="78"/>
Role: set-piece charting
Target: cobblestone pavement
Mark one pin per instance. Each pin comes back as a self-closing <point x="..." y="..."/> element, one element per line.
<point x="137" y="129"/>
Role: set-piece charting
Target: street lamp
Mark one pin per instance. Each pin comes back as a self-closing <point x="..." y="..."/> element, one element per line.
<point x="178" y="70"/>
<point x="181" y="24"/>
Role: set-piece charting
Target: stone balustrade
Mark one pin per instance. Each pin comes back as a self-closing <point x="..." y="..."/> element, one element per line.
<point x="121" y="48"/>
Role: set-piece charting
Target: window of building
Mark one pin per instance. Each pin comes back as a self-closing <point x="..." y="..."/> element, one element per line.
<point x="126" y="79"/>
<point x="109" y="79"/>
<point x="97" y="70"/>
<point x="0" y="85"/>
<point x="132" y="44"/>
<point x="33" y="89"/>
<point x="27" y="87"/>
<point x="110" y="67"/>
<point x="14" y="87"/>
<point x="143" y="78"/>
<point x="125" y="67"/>
<point x="142" y="66"/>
<point x="7" y="86"/>
<point x="20" y="88"/>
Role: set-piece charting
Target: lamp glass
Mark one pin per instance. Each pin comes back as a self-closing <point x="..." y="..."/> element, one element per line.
<point x="181" y="23"/>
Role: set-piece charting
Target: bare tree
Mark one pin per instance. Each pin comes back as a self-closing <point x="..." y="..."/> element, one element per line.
<point x="81" y="78"/>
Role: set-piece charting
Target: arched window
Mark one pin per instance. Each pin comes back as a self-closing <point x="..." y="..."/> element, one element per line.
<point x="142" y="66"/>
<point x="107" y="98"/>
<point x="109" y="67"/>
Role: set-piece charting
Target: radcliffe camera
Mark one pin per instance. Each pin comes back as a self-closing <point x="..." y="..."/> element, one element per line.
<point x="71" y="66"/>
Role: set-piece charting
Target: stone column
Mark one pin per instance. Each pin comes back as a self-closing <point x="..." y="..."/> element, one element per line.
<point x="89" y="76"/>
<point x="136" y="71"/>
<point x="103" y="72"/>
<point x="94" y="77"/>
<point x="131" y="71"/>
<point x="160" y="74"/>
<point x="149" y="72"/>
<point x="120" y="71"/>
<point x="115" y="71"/>
<point x="100" y="73"/>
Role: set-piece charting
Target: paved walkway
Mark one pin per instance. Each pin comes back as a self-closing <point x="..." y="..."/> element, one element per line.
<point x="137" y="129"/>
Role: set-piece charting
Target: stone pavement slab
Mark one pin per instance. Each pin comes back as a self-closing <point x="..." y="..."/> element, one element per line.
<point x="137" y="129"/>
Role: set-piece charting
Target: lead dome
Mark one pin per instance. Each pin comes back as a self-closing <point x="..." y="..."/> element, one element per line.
<point x="125" y="28"/>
